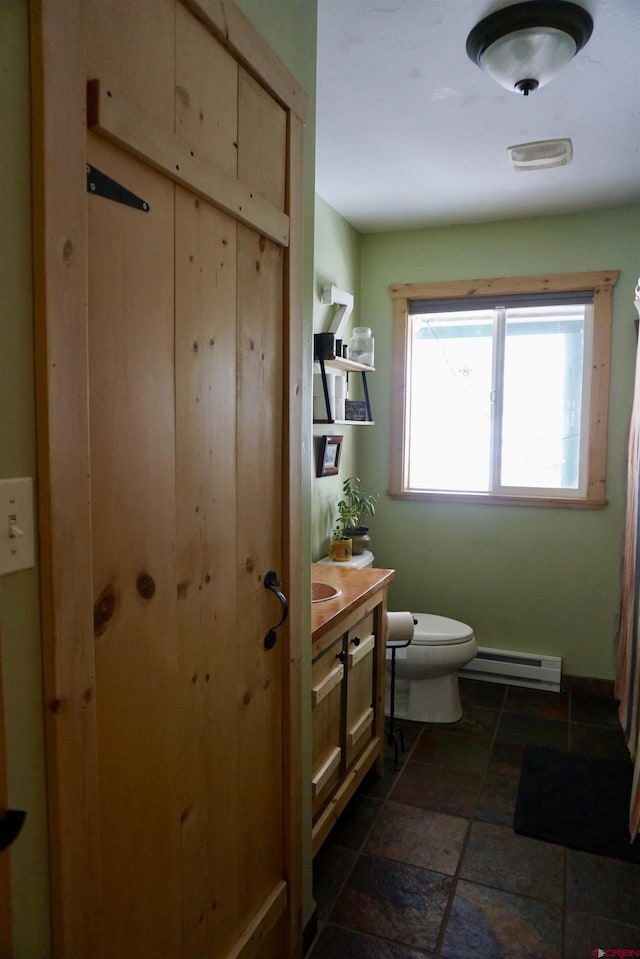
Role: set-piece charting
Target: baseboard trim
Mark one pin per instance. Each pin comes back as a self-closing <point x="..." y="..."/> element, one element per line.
<point x="587" y="686"/>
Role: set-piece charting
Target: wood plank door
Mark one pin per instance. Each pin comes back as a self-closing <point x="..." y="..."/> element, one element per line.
<point x="192" y="790"/>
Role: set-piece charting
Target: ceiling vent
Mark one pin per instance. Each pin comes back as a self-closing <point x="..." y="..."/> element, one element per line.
<point x="541" y="155"/>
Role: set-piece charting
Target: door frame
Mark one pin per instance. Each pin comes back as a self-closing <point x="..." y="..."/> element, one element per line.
<point x="5" y="855"/>
<point x="64" y="490"/>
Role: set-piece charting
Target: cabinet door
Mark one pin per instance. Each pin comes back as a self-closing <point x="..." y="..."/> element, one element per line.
<point x="360" y="692"/>
<point x="327" y="681"/>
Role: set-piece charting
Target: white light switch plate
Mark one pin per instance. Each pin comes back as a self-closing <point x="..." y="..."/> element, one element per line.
<point x="17" y="544"/>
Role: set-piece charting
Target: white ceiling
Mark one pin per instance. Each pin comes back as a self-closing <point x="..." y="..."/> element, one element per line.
<point x="411" y="133"/>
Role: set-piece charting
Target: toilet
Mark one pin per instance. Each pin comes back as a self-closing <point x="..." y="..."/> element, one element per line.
<point x="427" y="670"/>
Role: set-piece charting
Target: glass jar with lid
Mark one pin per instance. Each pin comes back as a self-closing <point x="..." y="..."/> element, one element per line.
<point x="361" y="345"/>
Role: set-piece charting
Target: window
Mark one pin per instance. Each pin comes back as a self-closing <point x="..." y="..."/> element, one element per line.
<point x="500" y="392"/>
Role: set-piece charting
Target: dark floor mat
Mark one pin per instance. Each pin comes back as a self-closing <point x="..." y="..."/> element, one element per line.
<point x="578" y="801"/>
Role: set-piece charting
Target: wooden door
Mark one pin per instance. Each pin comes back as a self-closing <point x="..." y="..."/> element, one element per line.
<point x="190" y="789"/>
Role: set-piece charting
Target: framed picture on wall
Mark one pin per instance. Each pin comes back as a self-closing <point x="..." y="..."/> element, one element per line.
<point x="329" y="456"/>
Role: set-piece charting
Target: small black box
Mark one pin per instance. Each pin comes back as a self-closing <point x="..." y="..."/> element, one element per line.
<point x="324" y="345"/>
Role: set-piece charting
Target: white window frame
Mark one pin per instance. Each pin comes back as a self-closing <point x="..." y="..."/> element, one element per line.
<point x="591" y="491"/>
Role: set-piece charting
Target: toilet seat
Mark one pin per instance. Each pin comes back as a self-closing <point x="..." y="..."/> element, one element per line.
<point x="432" y="630"/>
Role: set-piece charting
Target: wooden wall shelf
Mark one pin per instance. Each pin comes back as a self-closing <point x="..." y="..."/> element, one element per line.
<point x="345" y="366"/>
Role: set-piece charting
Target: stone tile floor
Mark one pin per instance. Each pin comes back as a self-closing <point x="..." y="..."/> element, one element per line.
<point x="424" y="863"/>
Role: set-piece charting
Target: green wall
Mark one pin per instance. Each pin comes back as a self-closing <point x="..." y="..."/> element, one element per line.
<point x="290" y="28"/>
<point x="337" y="262"/>
<point x="531" y="579"/>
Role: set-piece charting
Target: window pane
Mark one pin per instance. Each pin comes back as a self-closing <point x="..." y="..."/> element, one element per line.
<point x="542" y="397"/>
<point x="449" y="401"/>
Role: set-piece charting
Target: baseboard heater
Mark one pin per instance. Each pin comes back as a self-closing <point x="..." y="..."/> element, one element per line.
<point x="516" y="669"/>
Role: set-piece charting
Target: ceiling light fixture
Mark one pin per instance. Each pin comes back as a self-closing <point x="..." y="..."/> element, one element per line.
<point x="523" y="46"/>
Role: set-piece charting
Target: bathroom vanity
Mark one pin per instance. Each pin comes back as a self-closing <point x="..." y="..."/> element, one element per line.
<point x="347" y="687"/>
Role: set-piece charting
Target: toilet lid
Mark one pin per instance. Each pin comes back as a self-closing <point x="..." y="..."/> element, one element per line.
<point x="439" y="631"/>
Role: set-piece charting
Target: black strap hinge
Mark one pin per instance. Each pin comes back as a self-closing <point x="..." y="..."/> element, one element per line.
<point x="102" y="185"/>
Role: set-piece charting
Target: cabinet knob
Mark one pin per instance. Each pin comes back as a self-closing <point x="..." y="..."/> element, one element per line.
<point x="356" y="640"/>
<point x="341" y="656"/>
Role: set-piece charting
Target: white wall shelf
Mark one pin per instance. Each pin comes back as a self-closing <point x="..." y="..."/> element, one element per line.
<point x="344" y="423"/>
<point x="349" y="366"/>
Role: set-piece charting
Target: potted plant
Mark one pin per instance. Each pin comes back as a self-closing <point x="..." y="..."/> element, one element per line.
<point x="341" y="544"/>
<point x="357" y="504"/>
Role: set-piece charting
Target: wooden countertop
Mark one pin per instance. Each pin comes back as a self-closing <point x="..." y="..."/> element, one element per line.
<point x="356" y="585"/>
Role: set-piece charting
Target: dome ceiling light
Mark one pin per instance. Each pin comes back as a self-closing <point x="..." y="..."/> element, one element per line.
<point x="523" y="46"/>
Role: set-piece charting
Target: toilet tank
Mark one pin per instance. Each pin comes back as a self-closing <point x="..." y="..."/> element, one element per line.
<point x="360" y="561"/>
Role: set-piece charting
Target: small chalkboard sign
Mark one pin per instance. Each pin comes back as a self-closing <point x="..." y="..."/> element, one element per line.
<point x="355" y="410"/>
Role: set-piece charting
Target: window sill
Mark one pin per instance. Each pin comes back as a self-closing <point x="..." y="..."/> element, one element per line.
<point x="497" y="499"/>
